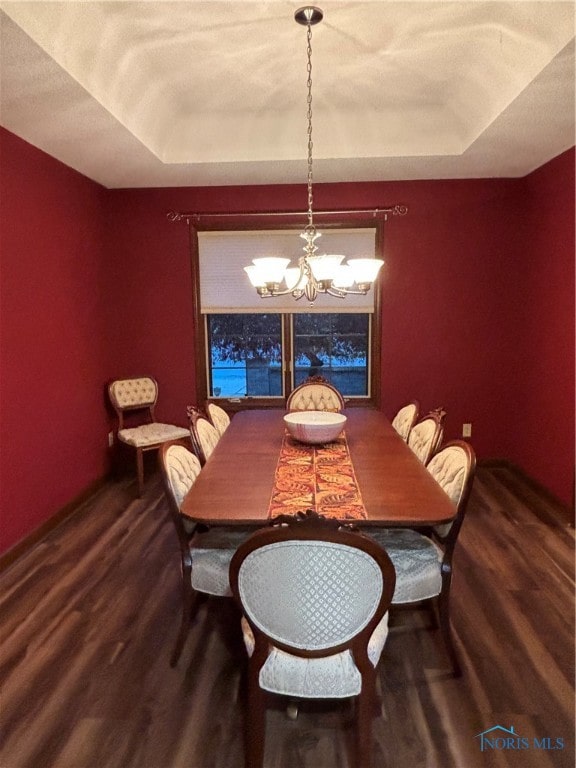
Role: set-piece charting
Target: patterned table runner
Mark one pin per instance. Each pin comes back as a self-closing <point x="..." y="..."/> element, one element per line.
<point x="318" y="477"/>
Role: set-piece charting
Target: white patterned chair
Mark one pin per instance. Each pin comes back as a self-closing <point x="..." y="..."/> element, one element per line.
<point x="423" y="563"/>
<point x="405" y="419"/>
<point x="205" y="555"/>
<point x="218" y="417"/>
<point x="315" y="599"/>
<point x="205" y="436"/>
<point x="137" y="397"/>
<point x="315" y="394"/>
<point x="426" y="435"/>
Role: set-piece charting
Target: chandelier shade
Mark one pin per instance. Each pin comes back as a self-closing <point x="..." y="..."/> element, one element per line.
<point x="294" y="279"/>
<point x="365" y="271"/>
<point x="267" y="271"/>
<point x="343" y="277"/>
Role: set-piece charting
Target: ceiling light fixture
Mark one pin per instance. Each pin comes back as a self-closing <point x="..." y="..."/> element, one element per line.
<point x="315" y="273"/>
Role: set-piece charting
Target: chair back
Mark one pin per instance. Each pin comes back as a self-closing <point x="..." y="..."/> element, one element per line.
<point x="453" y="467"/>
<point x="205" y="437"/>
<point x="405" y="419"/>
<point x="179" y="468"/>
<point x="315" y="394"/>
<point x="218" y="416"/>
<point x="311" y="587"/>
<point x="138" y="393"/>
<point x="426" y="436"/>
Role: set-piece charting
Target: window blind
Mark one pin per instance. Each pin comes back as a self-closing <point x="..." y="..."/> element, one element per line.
<point x="225" y="287"/>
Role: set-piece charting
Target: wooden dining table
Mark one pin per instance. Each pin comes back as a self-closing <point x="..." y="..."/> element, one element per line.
<point x="236" y="483"/>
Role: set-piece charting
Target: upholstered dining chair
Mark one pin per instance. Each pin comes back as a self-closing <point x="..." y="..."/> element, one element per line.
<point x="405" y="419"/>
<point x="315" y="597"/>
<point x="205" y="555"/>
<point x="315" y="394"/>
<point x="205" y="436"/>
<point x="423" y="563"/>
<point x="136" y="397"/>
<point x="217" y="416"/>
<point x="426" y="435"/>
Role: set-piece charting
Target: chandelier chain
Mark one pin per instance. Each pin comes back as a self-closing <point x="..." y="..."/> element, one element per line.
<point x="310" y="227"/>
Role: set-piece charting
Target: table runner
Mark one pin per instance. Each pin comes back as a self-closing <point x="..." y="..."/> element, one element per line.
<point x="318" y="477"/>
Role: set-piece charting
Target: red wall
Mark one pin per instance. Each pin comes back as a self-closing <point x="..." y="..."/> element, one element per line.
<point x="543" y="439"/>
<point x="478" y="310"/>
<point x="53" y="349"/>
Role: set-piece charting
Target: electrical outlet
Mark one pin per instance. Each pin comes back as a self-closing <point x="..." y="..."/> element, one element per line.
<point x="110" y="439"/>
<point x="466" y="430"/>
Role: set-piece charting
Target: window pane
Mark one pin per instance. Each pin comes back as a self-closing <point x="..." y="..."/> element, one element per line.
<point x="335" y="346"/>
<point x="245" y="355"/>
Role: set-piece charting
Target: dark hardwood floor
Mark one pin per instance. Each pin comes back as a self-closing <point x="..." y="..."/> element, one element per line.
<point x="90" y="615"/>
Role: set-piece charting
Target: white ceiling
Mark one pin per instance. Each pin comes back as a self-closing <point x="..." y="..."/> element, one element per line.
<point x="154" y="94"/>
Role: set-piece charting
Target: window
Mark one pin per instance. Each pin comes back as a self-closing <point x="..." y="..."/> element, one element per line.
<point x="246" y="353"/>
<point x="255" y="351"/>
<point x="335" y="346"/>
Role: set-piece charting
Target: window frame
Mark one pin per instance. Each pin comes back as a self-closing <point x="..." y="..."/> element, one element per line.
<point x="275" y="221"/>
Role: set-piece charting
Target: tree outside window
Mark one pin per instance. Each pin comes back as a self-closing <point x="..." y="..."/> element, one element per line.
<point x="246" y="352"/>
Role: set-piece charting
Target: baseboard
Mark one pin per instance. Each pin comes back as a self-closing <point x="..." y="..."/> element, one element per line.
<point x="564" y="509"/>
<point x="7" y="558"/>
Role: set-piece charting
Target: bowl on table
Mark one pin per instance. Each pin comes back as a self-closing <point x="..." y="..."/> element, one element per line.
<point x="314" y="427"/>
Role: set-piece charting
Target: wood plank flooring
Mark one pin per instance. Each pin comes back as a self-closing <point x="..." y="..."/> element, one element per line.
<point x="90" y="615"/>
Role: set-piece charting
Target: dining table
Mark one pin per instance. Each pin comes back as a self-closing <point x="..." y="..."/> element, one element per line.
<point x="244" y="480"/>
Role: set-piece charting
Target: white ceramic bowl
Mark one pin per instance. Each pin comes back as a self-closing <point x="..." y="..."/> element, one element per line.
<point x="314" y="426"/>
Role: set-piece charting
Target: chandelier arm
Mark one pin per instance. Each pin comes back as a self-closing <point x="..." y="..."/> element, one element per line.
<point x="267" y="294"/>
<point x="343" y="292"/>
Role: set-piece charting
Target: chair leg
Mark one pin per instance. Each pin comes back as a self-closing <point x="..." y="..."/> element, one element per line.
<point x="140" y="470"/>
<point x="189" y="600"/>
<point x="364" y="714"/>
<point x="255" y="723"/>
<point x="444" y="611"/>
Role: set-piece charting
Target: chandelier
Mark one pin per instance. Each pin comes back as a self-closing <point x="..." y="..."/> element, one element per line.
<point x="315" y="273"/>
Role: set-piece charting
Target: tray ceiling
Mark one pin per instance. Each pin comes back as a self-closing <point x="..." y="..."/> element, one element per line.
<point x="141" y="94"/>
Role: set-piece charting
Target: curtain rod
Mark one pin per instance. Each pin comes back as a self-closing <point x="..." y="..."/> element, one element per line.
<point x="396" y="210"/>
